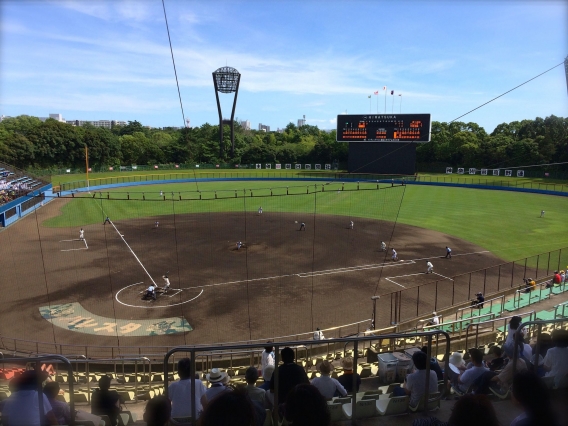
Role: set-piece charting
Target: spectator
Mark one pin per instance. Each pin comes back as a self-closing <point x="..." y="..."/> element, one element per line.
<point x="473" y="410"/>
<point x="232" y="409"/>
<point x="498" y="362"/>
<point x="290" y="374"/>
<point x="509" y="346"/>
<point x="267" y="358"/>
<point x="434" y="366"/>
<point x="158" y="411"/>
<point x="318" y="334"/>
<point x="307" y="407"/>
<point x="266" y="376"/>
<point x="556" y="359"/>
<point x="557" y="278"/>
<point x="505" y="377"/>
<point x="326" y="385"/>
<point x="61" y="409"/>
<point x="469" y="376"/>
<point x="416" y="382"/>
<point x="435" y="319"/>
<point x="456" y="367"/>
<point x="180" y="392"/>
<point x="254" y="393"/>
<point x="531" y="393"/>
<point x="105" y="402"/>
<point x="218" y="380"/>
<point x="346" y="379"/>
<point x="478" y="301"/>
<point x="22" y="406"/>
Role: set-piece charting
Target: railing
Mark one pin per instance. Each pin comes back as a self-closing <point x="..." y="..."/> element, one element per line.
<point x="561" y="307"/>
<point x="194" y="353"/>
<point x="476" y="306"/>
<point x="38" y="360"/>
<point x="493" y="323"/>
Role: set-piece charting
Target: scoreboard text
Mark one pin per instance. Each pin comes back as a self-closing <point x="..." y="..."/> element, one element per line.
<point x="384" y="128"/>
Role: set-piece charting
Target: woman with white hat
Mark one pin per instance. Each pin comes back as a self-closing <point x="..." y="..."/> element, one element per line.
<point x="218" y="380"/>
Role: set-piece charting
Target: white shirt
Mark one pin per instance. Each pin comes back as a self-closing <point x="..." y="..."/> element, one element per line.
<point x="266" y="359"/>
<point x="166" y="282"/>
<point x="151" y="288"/>
<point x="435" y="320"/>
<point x="180" y="394"/>
<point x="469" y="376"/>
<point x="429" y="265"/>
<point x="318" y="335"/>
<point x="22" y="408"/>
<point x="327" y="386"/>
<point x="393" y="253"/>
<point x="416" y="382"/>
<point x="557" y="359"/>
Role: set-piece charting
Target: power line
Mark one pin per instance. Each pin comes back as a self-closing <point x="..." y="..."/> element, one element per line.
<point x="503" y="94"/>
<point x="174" y="62"/>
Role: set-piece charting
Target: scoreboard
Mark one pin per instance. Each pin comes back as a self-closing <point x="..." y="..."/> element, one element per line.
<point x="384" y="128"/>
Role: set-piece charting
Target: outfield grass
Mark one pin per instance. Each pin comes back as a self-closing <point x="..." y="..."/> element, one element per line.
<point x="506" y="223"/>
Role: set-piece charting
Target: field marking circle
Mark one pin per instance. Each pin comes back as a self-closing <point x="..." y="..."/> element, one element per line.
<point x="153" y="307"/>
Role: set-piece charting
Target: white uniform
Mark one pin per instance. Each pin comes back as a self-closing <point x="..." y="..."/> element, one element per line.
<point x="542" y="213"/>
<point x="394" y="255"/>
<point x="351" y="224"/>
<point x="239" y="245"/>
<point x="166" y="283"/>
<point x="430" y="268"/>
<point x="318" y="335"/>
<point x="260" y="210"/>
<point x="383" y="246"/>
<point x="81" y="234"/>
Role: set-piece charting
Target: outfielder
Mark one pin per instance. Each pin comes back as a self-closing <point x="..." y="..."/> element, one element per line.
<point x="542" y="213"/>
<point x="430" y="267"/>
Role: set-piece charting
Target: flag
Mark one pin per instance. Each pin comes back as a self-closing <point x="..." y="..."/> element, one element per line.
<point x="384" y="87"/>
<point x="369" y="96"/>
<point x="392" y="92"/>
<point x="377" y="92"/>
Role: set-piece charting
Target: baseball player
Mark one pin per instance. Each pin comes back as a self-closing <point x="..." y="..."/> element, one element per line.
<point x="394" y="255"/>
<point x="150" y="292"/>
<point x="81" y="234"/>
<point x="302" y="226"/>
<point x="542" y="213"/>
<point x="156" y="224"/>
<point x="260" y="210"/>
<point x="166" y="283"/>
<point x="383" y="246"/>
<point x="239" y="245"/>
<point x="351" y="225"/>
<point x="107" y="220"/>
<point x="161" y="193"/>
<point x="430" y="267"/>
<point x="448" y="253"/>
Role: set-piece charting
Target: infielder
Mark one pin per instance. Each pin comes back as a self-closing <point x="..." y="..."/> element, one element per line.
<point x="351" y="225"/>
<point x="156" y="224"/>
<point x="383" y="246"/>
<point x="394" y="255"/>
<point x="260" y="210"/>
<point x="239" y="245"/>
<point x="107" y="220"/>
<point x="448" y="253"/>
<point x="430" y="267"/>
<point x="81" y="234"/>
<point x="302" y="226"/>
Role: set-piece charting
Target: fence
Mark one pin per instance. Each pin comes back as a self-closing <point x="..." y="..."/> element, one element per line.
<point x="421" y="300"/>
<point x="493" y="182"/>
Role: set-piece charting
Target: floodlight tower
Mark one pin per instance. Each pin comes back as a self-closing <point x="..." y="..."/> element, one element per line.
<point x="226" y="80"/>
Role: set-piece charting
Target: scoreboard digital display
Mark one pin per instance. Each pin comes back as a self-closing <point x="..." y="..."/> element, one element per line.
<point x="384" y="128"/>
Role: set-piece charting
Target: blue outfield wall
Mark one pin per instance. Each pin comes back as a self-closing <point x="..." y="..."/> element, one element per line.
<point x="14" y="210"/>
<point x="387" y="181"/>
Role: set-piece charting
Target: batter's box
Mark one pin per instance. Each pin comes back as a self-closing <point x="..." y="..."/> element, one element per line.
<point x="76" y="244"/>
<point x="416" y="279"/>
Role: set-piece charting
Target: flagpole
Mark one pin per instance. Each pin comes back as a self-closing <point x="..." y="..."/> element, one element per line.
<point x="385" y="99"/>
<point x="87" y="164"/>
<point x="370" y="104"/>
<point x="392" y="94"/>
<point x="377" y="101"/>
<point x="400" y="94"/>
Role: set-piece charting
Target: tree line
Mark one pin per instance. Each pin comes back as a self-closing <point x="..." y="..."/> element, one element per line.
<point x="27" y="142"/>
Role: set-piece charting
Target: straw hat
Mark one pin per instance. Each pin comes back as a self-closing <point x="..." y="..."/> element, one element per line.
<point x="457" y="359"/>
<point x="347" y="363"/>
<point x="215" y="376"/>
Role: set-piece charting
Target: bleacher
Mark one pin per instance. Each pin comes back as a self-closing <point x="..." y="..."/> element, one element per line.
<point x="15" y="182"/>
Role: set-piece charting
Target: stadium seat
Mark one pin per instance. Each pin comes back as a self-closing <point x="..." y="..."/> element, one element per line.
<point x="392" y="406"/>
<point x="336" y="412"/>
<point x="364" y="409"/>
<point x="433" y="403"/>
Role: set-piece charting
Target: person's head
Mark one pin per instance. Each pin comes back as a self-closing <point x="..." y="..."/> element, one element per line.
<point x="473" y="410"/>
<point x="515" y="322"/>
<point x="347" y="363"/>
<point x="267" y="372"/>
<point x="434" y="313"/>
<point x="305" y="406"/>
<point x="457" y="359"/>
<point x="560" y="338"/>
<point x="419" y="359"/>
<point x="424" y="349"/>
<point x="287" y="355"/>
<point x="104" y="383"/>
<point x="497" y="351"/>
<point x="476" y="356"/>
<point x="158" y="411"/>
<point x="268" y="348"/>
<point x="229" y="409"/>
<point x="325" y="367"/>
<point x="51" y="390"/>
<point x="532" y="394"/>
<point x="251" y="375"/>
<point x="215" y="376"/>
<point x="184" y="368"/>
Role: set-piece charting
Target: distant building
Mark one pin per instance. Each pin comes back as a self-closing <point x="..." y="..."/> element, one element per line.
<point x="245" y="124"/>
<point x="263" y="127"/>
<point x="57" y="117"/>
<point x="302" y="121"/>
<point x="107" y="124"/>
<point x="4" y="117"/>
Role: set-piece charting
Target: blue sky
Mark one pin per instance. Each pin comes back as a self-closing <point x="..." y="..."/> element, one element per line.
<point x="99" y="59"/>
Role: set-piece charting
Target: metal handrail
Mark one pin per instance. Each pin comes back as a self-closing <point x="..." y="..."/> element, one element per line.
<point x="193" y="350"/>
<point x="493" y="321"/>
<point x="489" y="314"/>
<point x="460" y="310"/>
<point x="38" y="360"/>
